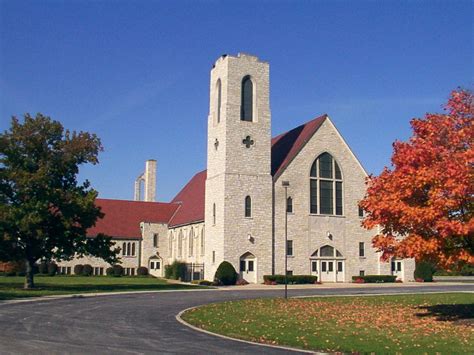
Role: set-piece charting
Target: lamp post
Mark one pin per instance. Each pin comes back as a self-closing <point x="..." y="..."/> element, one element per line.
<point x="286" y="184"/>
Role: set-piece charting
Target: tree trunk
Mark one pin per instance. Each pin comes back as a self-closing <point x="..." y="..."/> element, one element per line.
<point x="29" y="281"/>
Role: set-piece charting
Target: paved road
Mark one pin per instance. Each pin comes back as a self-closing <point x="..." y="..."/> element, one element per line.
<point x="138" y="323"/>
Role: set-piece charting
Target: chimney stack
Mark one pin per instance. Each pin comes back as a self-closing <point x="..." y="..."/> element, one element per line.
<point x="149" y="183"/>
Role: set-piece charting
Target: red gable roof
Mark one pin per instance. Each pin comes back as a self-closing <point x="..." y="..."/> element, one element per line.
<point x="122" y="218"/>
<point x="287" y="145"/>
<point x="191" y="198"/>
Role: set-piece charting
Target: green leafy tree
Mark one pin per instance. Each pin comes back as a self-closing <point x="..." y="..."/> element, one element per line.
<point x="44" y="211"/>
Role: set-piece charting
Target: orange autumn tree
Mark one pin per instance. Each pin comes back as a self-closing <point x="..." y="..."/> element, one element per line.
<point x="423" y="206"/>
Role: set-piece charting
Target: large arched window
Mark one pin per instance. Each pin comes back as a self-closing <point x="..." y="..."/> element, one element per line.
<point x="246" y="109"/>
<point x="248" y="206"/>
<point x="218" y="100"/>
<point x="170" y="245"/>
<point x="326" y="186"/>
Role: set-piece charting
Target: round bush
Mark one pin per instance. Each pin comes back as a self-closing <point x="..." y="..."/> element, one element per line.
<point x="78" y="269"/>
<point x="424" y="271"/>
<point x="87" y="270"/>
<point x="52" y="269"/>
<point x="43" y="268"/>
<point x="109" y="271"/>
<point x="142" y="271"/>
<point x="118" y="270"/>
<point x="226" y="274"/>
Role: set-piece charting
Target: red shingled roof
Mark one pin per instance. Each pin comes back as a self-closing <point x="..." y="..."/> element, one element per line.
<point x="122" y="218"/>
<point x="287" y="145"/>
<point x="191" y="198"/>
<point x="284" y="149"/>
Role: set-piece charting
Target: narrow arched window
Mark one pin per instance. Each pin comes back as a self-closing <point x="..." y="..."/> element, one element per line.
<point x="202" y="242"/>
<point x="133" y="249"/>
<point x="246" y="109"/>
<point x="191" y="242"/>
<point x="124" y="248"/>
<point x="248" y="206"/>
<point x="289" y="205"/>
<point x="170" y="245"/>
<point x="214" y="214"/>
<point x="155" y="240"/>
<point x="325" y="186"/>
<point x="129" y="249"/>
<point x="180" y="244"/>
<point x="219" y="100"/>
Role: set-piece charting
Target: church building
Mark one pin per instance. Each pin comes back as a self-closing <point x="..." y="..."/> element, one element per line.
<point x="305" y="183"/>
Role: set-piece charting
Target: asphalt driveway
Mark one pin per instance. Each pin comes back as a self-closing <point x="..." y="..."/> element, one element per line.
<point x="140" y="323"/>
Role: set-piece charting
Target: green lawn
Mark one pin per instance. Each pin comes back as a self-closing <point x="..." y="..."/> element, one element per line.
<point x="427" y="323"/>
<point x="11" y="286"/>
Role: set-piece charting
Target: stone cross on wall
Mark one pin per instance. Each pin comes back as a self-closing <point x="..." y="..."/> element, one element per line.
<point x="248" y="142"/>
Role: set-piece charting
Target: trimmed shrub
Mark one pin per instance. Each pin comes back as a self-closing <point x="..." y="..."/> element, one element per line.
<point x="118" y="270"/>
<point x="201" y="282"/>
<point x="87" y="270"/>
<point x="109" y="271"/>
<point x="52" y="269"/>
<point x="78" y="269"/>
<point x="43" y="268"/>
<point x="10" y="273"/>
<point x="142" y="271"/>
<point x="292" y="279"/>
<point x="226" y="274"/>
<point x="21" y="273"/>
<point x="424" y="271"/>
<point x="374" y="278"/>
<point x="175" y="271"/>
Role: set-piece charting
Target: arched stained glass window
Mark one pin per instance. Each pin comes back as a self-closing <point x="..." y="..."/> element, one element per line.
<point x="246" y="109"/>
<point x="326" y="186"/>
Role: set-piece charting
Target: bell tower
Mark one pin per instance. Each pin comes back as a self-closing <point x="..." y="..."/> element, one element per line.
<point x="238" y="212"/>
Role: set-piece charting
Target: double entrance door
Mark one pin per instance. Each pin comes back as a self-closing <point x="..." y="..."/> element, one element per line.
<point x="328" y="270"/>
<point x="248" y="267"/>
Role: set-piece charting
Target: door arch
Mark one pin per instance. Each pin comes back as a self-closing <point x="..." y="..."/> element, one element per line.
<point x="248" y="267"/>
<point x="328" y="264"/>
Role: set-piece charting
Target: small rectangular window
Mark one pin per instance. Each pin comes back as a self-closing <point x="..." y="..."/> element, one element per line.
<point x="152" y="265"/>
<point x="158" y="265"/>
<point x="361" y="249"/>
<point x="323" y="266"/>
<point x="155" y="240"/>
<point x="339" y="266"/>
<point x="314" y="266"/>
<point x="289" y="248"/>
<point x="361" y="273"/>
<point x="242" y="265"/>
<point x="330" y="266"/>
<point x="250" y="265"/>
<point x="361" y="212"/>
<point x="289" y="272"/>
<point x="399" y="266"/>
<point x="289" y="205"/>
<point x="213" y="256"/>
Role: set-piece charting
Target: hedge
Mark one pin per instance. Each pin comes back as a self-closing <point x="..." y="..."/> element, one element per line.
<point x="109" y="271"/>
<point x="142" y="271"/>
<point x="117" y="270"/>
<point x="374" y="278"/>
<point x="43" y="268"/>
<point x="175" y="271"/>
<point x="292" y="279"/>
<point x="424" y="271"/>
<point x="78" y="269"/>
<point x="52" y="269"/>
<point x="225" y="274"/>
<point x="87" y="270"/>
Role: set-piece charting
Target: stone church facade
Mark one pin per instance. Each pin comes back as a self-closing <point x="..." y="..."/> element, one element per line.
<point x="236" y="210"/>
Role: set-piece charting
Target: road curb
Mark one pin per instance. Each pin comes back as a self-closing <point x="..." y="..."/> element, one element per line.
<point x="182" y="321"/>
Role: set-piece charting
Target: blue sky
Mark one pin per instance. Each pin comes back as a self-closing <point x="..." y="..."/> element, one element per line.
<point x="136" y="73"/>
